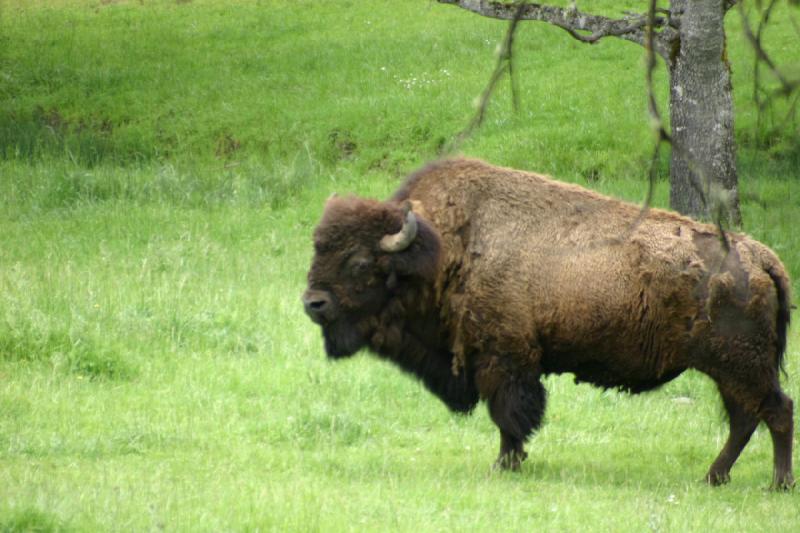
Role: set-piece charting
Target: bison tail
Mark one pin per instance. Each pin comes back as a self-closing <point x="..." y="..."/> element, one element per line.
<point x="783" y="287"/>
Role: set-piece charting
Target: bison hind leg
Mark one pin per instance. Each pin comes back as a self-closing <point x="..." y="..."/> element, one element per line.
<point x="742" y="425"/>
<point x="517" y="407"/>
<point x="776" y="410"/>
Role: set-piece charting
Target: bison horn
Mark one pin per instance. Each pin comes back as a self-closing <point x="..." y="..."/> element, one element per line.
<point x="397" y="242"/>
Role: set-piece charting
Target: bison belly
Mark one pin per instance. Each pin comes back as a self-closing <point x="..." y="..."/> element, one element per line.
<point x="616" y="326"/>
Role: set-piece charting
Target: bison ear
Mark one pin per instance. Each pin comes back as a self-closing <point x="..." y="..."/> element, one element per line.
<point x="420" y="258"/>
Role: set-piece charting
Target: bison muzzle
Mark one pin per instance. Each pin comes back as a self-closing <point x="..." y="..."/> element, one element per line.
<point x="479" y="280"/>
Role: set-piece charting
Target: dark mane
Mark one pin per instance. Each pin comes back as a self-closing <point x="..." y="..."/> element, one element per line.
<point x="410" y="337"/>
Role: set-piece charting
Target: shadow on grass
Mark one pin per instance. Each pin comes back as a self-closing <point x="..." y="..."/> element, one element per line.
<point x="31" y="520"/>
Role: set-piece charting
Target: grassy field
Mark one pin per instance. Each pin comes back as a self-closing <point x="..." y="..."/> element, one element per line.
<point x="162" y="166"/>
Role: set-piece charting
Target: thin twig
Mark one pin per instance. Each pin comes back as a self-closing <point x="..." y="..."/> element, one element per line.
<point x="787" y="86"/>
<point x="504" y="64"/>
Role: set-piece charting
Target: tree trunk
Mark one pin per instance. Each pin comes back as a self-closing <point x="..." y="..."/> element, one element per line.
<point x="701" y="111"/>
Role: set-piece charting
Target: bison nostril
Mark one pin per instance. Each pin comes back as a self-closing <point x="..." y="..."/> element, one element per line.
<point x="316" y="303"/>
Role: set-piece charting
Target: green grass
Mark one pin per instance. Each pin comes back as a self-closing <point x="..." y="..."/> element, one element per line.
<point x="162" y="166"/>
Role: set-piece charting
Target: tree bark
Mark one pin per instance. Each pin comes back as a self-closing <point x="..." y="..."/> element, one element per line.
<point x="703" y="163"/>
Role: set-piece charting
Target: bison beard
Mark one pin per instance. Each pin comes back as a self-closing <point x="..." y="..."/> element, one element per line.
<point x="341" y="340"/>
<point x="478" y="280"/>
<point x="458" y="392"/>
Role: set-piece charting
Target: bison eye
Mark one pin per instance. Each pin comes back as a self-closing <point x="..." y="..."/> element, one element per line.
<point x="359" y="265"/>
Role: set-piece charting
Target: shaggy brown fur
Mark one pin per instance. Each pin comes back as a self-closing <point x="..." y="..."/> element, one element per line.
<point x="513" y="275"/>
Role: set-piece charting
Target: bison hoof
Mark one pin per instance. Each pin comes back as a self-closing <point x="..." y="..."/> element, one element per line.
<point x="510" y="461"/>
<point x="715" y="479"/>
<point x="783" y="483"/>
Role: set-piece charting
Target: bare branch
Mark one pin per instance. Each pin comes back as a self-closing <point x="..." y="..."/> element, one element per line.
<point x="584" y="27"/>
<point x="505" y="63"/>
<point x="652" y="105"/>
<point x="787" y="86"/>
<point x="728" y="4"/>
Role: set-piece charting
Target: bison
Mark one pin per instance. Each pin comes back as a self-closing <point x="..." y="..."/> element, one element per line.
<point x="479" y="280"/>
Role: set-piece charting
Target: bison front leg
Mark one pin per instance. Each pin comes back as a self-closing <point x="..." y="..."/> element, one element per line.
<point x="516" y="400"/>
<point x="512" y="452"/>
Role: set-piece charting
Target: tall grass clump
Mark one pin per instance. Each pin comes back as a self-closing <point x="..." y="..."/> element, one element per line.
<point x="61" y="350"/>
<point x="32" y="520"/>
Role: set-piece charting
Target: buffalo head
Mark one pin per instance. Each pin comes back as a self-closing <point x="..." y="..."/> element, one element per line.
<point x="366" y="252"/>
